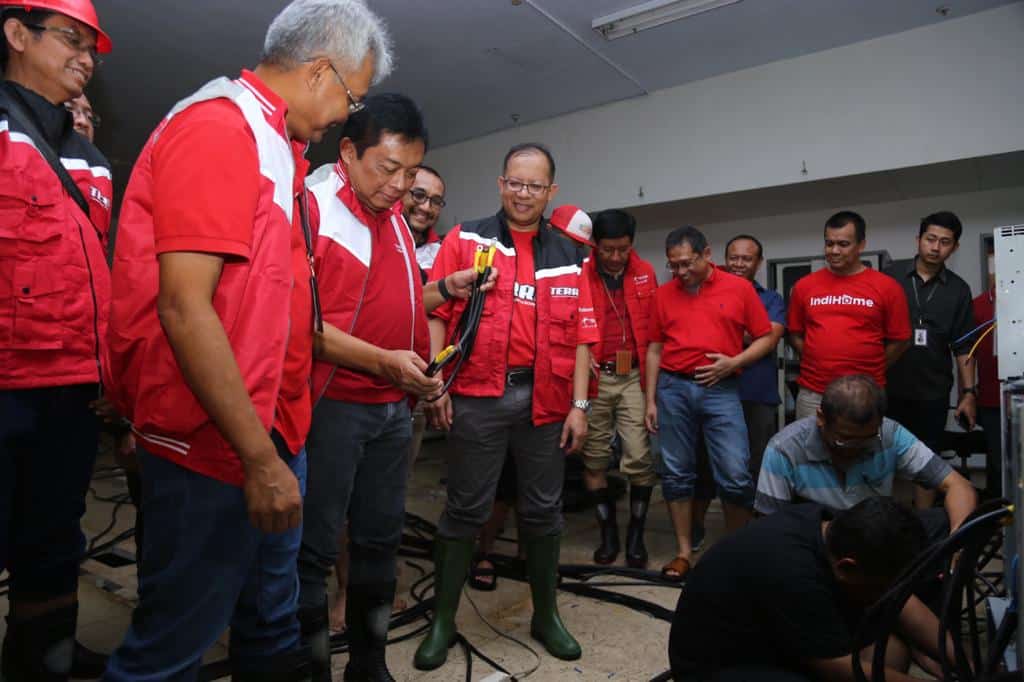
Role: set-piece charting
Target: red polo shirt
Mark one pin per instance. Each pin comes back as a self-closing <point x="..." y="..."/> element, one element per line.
<point x="712" y="320"/>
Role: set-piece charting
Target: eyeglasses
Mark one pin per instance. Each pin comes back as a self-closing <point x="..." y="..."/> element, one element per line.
<point x="354" y="105"/>
<point x="72" y="39"/>
<point x="94" y="119"/>
<point x="420" y="195"/>
<point x="532" y="188"/>
<point x="860" y="444"/>
<point x="682" y="264"/>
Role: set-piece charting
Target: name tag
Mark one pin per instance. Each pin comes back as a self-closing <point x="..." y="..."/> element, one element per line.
<point x="920" y="337"/>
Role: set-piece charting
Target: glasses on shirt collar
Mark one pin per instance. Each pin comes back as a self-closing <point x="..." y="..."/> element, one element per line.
<point x="420" y="195"/>
<point x="73" y="39"/>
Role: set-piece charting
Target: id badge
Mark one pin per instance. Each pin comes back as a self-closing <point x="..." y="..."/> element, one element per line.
<point x="920" y="337"/>
<point x="623" y="362"/>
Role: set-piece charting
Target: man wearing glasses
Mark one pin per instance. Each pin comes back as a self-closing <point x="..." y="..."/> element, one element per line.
<point x="522" y="392"/>
<point x="85" y="120"/>
<point x="850" y="451"/>
<point x="211" y="340"/>
<point x="421" y="207"/>
<point x="54" y="295"/>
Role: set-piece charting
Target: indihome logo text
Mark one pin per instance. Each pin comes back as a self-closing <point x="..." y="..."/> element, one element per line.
<point x="844" y="299"/>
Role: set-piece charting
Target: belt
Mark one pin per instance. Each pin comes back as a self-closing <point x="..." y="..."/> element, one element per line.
<point x="689" y="376"/>
<point x="519" y="376"/>
<point x="611" y="367"/>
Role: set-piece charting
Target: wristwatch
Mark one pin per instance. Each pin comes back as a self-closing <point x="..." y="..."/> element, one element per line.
<point x="969" y="389"/>
<point x="582" y="405"/>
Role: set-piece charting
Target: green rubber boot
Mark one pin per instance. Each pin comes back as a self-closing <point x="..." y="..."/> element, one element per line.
<point x="547" y="626"/>
<point x="451" y="565"/>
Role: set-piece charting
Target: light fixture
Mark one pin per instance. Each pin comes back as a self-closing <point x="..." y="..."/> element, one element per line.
<point x="650" y="14"/>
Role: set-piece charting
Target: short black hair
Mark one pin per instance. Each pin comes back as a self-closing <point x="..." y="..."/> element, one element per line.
<point x="855" y="397"/>
<point x="844" y="218"/>
<point x="387" y="112"/>
<point x="760" y="247"/>
<point x="613" y="223"/>
<point x="529" y="148"/>
<point x="689" y="234"/>
<point x="946" y="219"/>
<point x="433" y="172"/>
<point x="35" y="16"/>
<point x="880" y="534"/>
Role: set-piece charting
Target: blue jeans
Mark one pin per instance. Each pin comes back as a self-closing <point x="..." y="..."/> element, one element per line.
<point x="358" y="461"/>
<point x="205" y="567"/>
<point x="685" y="408"/>
<point x="48" y="439"/>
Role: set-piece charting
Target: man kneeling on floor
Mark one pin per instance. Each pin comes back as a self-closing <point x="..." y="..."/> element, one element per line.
<point x="849" y="452"/>
<point x="781" y="599"/>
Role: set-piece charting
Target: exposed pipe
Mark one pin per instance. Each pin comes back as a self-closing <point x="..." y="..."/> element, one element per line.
<point x="590" y="48"/>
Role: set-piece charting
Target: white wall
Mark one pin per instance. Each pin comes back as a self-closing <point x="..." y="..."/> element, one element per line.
<point x="891" y="226"/>
<point x="946" y="91"/>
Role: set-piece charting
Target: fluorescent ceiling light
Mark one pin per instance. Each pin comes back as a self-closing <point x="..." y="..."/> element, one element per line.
<point x="650" y="14"/>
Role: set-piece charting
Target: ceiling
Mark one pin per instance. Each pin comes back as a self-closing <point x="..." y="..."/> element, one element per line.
<point x="478" y="66"/>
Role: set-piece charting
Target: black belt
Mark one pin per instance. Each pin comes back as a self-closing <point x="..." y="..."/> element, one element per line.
<point x="611" y="367"/>
<point x="519" y="376"/>
<point x="689" y="376"/>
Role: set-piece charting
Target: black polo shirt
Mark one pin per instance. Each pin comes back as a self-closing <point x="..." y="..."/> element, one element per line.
<point x="941" y="306"/>
<point x="765" y="595"/>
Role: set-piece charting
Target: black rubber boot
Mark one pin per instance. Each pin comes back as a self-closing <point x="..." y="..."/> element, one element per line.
<point x="367" y="614"/>
<point x="639" y="501"/>
<point x="546" y="626"/>
<point x="40" y="649"/>
<point x="451" y="565"/>
<point x="604" y="508"/>
<point x="87" y="664"/>
<point x="287" y="667"/>
<point x="314" y="626"/>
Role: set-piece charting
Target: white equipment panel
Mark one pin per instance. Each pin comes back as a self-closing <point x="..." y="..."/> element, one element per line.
<point x="1009" y="332"/>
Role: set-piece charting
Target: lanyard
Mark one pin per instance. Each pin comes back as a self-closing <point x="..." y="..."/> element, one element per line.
<point x="307" y="234"/>
<point x="917" y="299"/>
<point x="615" y="308"/>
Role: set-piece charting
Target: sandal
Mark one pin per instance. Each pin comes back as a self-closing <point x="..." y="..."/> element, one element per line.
<point x="676" y="569"/>
<point x="483" y="579"/>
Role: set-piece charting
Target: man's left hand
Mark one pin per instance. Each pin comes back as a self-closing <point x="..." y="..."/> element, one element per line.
<point x="574" y="431"/>
<point x="460" y="283"/>
<point x="722" y="367"/>
<point x="968" y="407"/>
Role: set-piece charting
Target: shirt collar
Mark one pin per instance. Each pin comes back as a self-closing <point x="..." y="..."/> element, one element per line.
<point x="365" y="214"/>
<point x="912" y="271"/>
<point x="757" y="287"/>
<point x="53" y="120"/>
<point x="273" y="106"/>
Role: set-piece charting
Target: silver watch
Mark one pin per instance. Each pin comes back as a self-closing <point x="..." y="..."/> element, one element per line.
<point x="583" y="405"/>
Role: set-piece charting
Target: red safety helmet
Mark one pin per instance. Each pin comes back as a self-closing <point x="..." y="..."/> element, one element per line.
<point x="82" y="10"/>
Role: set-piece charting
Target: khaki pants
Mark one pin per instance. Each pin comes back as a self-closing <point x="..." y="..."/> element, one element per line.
<point x="807" y="403"/>
<point x="619" y="406"/>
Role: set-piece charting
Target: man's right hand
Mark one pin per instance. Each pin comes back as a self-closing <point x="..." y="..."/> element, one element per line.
<point x="439" y="413"/>
<point x="404" y="368"/>
<point x="272" y="494"/>
<point x="651" y="417"/>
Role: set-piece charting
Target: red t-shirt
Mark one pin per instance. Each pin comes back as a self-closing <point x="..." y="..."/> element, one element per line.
<point x="988" y="366"/>
<point x="195" y="213"/>
<point x="616" y="330"/>
<point x="711" y="321"/>
<point x="845" y="322"/>
<point x="523" y="343"/>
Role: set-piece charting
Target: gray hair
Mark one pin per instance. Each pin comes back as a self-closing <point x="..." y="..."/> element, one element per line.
<point x="345" y="30"/>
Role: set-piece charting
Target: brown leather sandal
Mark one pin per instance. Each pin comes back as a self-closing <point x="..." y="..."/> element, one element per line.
<point x="676" y="569"/>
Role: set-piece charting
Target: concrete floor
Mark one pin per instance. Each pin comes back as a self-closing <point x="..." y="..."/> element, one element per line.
<point x="618" y="643"/>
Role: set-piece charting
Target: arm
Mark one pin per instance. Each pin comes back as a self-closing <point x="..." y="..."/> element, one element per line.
<point x="966" y="377"/>
<point x="797" y="342"/>
<point x="725" y="366"/>
<point x="200" y="345"/>
<point x="403" y="368"/>
<point x="841" y="670"/>
<point x="439" y="412"/>
<point x="960" y="499"/>
<point x="653" y="368"/>
<point x="893" y="351"/>
<point x="574" y="431"/>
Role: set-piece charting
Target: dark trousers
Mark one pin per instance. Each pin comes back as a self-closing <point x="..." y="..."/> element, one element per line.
<point x="989" y="419"/>
<point x="745" y="673"/>
<point x="926" y="419"/>
<point x="484" y="431"/>
<point x="48" y="440"/>
<point x="358" y="464"/>
<point x="206" y="567"/>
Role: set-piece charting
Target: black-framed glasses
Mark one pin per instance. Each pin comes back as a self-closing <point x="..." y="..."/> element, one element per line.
<point x="354" y="105"/>
<point x="73" y="39"/>
<point x="420" y="195"/>
<point x="532" y="188"/>
<point x="683" y="264"/>
<point x="869" y="444"/>
<point x="94" y="118"/>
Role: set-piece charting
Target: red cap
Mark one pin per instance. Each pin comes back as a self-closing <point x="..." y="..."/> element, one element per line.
<point x="82" y="10"/>
<point x="573" y="221"/>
